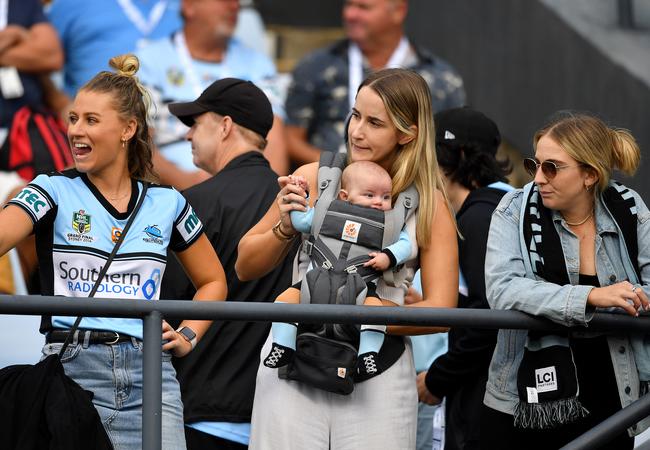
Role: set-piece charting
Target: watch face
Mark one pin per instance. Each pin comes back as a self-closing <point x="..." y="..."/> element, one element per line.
<point x="188" y="333"/>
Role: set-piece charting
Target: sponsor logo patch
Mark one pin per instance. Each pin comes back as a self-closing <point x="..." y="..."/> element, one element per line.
<point x="115" y="234"/>
<point x="351" y="231"/>
<point x="546" y="379"/>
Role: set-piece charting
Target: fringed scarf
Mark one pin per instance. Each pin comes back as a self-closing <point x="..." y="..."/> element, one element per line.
<point x="547" y="381"/>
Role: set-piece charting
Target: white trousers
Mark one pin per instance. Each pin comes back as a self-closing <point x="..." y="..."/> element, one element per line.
<point x="381" y="413"/>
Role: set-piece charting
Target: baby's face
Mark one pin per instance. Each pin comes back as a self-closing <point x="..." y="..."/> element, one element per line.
<point x="373" y="193"/>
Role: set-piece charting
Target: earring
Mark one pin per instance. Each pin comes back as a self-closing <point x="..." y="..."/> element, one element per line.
<point x="123" y="143"/>
<point x="587" y="187"/>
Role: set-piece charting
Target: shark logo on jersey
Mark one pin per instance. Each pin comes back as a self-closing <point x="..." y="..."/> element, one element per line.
<point x="154" y="235"/>
<point x="81" y="223"/>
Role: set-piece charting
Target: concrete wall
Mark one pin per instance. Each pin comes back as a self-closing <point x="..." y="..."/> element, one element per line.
<point x="521" y="62"/>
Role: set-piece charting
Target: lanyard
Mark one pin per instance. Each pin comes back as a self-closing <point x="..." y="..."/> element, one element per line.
<point x="4" y="13"/>
<point x="188" y="66"/>
<point x="186" y="62"/>
<point x="355" y="63"/>
<point x="135" y="16"/>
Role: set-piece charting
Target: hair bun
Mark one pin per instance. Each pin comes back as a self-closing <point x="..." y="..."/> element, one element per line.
<point x="126" y="65"/>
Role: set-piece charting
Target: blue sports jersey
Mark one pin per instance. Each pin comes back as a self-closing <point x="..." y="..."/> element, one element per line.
<point x="76" y="228"/>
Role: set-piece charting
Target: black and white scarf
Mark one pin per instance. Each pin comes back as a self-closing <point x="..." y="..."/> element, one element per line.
<point x="547" y="381"/>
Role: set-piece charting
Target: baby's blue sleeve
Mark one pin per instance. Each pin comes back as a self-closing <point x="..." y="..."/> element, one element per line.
<point x="301" y="220"/>
<point x="401" y="249"/>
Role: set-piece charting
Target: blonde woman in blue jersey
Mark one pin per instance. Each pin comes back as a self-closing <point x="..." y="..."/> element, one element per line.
<point x="77" y="216"/>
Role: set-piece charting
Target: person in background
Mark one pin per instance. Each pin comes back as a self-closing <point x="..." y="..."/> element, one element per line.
<point x="77" y="216"/>
<point x="325" y="82"/>
<point x="181" y="65"/>
<point x="94" y="31"/>
<point x="29" y="49"/>
<point x="426" y="348"/>
<point x="569" y="244"/>
<point x="390" y="125"/>
<point x="466" y="144"/>
<point x="229" y="123"/>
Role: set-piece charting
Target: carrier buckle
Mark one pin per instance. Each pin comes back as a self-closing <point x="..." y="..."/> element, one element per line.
<point x="351" y="269"/>
<point x="307" y="247"/>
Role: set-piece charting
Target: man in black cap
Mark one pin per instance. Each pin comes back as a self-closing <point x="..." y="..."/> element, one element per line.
<point x="229" y="124"/>
<point x="466" y="147"/>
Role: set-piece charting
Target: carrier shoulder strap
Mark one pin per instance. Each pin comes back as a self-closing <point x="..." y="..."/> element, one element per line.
<point x="330" y="168"/>
<point x="406" y="204"/>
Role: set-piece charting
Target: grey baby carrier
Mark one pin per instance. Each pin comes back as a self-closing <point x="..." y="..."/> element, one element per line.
<point x="342" y="236"/>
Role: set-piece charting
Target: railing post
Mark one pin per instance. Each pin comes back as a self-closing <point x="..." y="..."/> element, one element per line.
<point x="152" y="382"/>
<point x="626" y="14"/>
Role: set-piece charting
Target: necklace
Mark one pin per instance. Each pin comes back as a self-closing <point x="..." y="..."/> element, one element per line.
<point x="123" y="196"/>
<point x="575" y="224"/>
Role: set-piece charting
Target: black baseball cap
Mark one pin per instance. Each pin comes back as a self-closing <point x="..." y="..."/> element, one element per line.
<point x="458" y="126"/>
<point x="244" y="102"/>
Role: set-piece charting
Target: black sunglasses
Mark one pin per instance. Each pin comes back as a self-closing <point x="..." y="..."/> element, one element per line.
<point x="549" y="168"/>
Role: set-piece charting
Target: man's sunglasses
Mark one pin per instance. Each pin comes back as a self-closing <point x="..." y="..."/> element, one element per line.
<point x="549" y="168"/>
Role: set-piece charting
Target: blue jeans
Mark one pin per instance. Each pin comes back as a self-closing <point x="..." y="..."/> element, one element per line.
<point x="114" y="374"/>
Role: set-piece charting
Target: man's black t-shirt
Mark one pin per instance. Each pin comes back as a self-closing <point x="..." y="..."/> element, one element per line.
<point x="218" y="377"/>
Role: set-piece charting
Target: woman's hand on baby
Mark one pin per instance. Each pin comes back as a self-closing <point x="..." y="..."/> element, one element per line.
<point x="379" y="261"/>
<point x="623" y="295"/>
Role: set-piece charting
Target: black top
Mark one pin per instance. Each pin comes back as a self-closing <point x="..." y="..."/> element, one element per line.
<point x="218" y="377"/>
<point x="470" y="350"/>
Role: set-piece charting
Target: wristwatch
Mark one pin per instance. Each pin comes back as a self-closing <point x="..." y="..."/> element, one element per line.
<point x="188" y="335"/>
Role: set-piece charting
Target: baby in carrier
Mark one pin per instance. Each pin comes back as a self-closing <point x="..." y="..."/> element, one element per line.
<point x="368" y="185"/>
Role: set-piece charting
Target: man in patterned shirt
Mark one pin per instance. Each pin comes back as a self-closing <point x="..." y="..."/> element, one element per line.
<point x="325" y="82"/>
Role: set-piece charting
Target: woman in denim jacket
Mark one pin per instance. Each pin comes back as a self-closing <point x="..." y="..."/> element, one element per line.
<point x="556" y="249"/>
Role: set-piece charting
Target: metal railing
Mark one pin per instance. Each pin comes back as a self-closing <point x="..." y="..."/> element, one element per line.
<point x="152" y="313"/>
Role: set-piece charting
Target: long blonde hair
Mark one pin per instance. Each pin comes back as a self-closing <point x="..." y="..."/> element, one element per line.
<point x="407" y="99"/>
<point x="589" y="141"/>
<point x="130" y="99"/>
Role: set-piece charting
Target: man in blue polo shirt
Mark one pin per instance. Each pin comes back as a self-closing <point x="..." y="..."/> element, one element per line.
<point x="94" y="31"/>
<point x="180" y="66"/>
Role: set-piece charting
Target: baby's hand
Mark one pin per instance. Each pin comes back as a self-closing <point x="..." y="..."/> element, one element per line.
<point x="380" y="261"/>
<point x="301" y="182"/>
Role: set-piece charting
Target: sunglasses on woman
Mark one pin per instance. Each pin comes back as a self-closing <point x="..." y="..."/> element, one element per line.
<point x="549" y="168"/>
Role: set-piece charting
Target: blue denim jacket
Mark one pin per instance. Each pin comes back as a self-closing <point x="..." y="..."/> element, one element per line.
<point x="511" y="284"/>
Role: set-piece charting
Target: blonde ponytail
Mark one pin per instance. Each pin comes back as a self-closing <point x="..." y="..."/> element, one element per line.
<point x="627" y="154"/>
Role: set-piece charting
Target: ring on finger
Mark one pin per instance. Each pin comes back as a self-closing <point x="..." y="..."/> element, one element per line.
<point x="634" y="288"/>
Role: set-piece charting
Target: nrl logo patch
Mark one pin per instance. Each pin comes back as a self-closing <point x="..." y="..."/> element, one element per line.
<point x="81" y="222"/>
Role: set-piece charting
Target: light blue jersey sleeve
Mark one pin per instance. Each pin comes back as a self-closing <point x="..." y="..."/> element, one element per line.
<point x="37" y="198"/>
<point x="187" y="226"/>
<point x="401" y="249"/>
